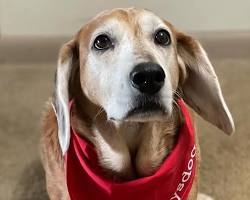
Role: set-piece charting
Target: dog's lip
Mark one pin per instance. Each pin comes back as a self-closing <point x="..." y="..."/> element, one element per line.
<point x="147" y="108"/>
<point x="142" y="112"/>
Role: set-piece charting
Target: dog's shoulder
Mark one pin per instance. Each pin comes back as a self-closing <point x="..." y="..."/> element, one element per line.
<point x="49" y="136"/>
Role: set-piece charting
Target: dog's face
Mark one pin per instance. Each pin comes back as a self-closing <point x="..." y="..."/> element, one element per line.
<point x="131" y="63"/>
<point x="131" y="67"/>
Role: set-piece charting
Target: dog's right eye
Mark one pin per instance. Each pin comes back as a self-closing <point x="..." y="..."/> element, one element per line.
<point x="102" y="42"/>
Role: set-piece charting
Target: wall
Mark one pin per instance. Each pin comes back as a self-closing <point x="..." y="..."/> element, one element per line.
<point x="64" y="17"/>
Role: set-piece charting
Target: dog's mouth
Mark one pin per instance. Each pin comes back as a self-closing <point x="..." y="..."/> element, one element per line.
<point x="146" y="108"/>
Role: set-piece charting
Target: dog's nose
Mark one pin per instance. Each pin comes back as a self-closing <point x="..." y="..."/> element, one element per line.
<point x="147" y="77"/>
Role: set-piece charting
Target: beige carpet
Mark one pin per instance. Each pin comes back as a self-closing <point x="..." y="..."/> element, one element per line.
<point x="225" y="170"/>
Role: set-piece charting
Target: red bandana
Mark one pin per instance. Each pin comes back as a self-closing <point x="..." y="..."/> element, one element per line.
<point x="172" y="181"/>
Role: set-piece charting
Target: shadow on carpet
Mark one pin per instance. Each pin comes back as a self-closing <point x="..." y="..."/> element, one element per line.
<point x="31" y="184"/>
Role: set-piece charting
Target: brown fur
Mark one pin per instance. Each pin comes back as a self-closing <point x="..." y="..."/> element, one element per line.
<point x="52" y="158"/>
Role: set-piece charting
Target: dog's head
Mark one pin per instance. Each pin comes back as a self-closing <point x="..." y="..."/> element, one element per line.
<point x="132" y="63"/>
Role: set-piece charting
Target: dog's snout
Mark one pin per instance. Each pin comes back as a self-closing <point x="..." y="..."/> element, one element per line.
<point x="147" y="77"/>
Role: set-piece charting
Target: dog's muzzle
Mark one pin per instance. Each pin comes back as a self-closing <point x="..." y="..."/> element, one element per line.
<point x="147" y="79"/>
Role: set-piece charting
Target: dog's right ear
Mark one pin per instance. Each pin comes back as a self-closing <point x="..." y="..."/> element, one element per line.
<point x="67" y="61"/>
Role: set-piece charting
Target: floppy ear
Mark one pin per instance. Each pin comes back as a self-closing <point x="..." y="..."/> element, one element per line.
<point x="201" y="89"/>
<point x="68" y="58"/>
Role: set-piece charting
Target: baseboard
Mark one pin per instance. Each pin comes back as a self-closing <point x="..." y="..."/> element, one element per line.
<point x="45" y="49"/>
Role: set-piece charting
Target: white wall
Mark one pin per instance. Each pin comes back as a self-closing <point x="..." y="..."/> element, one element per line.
<point x="64" y="17"/>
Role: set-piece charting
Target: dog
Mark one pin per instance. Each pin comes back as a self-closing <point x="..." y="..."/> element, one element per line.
<point x="117" y="85"/>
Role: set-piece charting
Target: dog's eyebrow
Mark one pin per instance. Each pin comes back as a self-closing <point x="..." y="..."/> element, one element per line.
<point x="106" y="27"/>
<point x="151" y="25"/>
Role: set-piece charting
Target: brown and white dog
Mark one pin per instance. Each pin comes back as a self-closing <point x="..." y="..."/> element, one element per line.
<point x="124" y="69"/>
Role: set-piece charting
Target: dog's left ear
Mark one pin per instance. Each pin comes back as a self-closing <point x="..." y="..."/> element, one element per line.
<point x="67" y="63"/>
<point x="201" y="88"/>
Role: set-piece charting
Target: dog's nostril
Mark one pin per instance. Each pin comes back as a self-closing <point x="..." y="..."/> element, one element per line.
<point x="159" y="76"/>
<point x="139" y="78"/>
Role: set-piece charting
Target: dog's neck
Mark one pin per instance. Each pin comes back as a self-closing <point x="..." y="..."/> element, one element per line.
<point x="129" y="149"/>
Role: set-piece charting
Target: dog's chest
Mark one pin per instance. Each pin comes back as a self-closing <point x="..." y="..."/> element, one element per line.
<point x="117" y="150"/>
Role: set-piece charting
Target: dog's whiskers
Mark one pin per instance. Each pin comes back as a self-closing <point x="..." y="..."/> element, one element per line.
<point x="175" y="92"/>
<point x="178" y="95"/>
<point x="100" y="111"/>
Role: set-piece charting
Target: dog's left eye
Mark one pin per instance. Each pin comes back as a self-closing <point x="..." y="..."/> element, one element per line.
<point x="162" y="37"/>
<point x="103" y="42"/>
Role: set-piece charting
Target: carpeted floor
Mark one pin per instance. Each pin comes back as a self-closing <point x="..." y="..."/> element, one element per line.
<point x="225" y="169"/>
